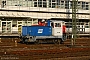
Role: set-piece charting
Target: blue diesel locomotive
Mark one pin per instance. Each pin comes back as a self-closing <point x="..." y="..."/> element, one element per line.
<point x="49" y="31"/>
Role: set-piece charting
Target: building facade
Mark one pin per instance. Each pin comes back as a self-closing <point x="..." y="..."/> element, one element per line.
<point x="17" y="13"/>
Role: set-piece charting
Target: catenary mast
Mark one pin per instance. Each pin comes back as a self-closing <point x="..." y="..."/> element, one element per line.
<point x="74" y="19"/>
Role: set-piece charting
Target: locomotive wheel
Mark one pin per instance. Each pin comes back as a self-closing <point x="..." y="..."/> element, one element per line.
<point x="23" y="41"/>
<point x="57" y="41"/>
<point x="61" y="42"/>
<point x="37" y="42"/>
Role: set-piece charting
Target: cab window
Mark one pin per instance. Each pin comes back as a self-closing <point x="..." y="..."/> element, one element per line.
<point x="57" y="25"/>
<point x="52" y="24"/>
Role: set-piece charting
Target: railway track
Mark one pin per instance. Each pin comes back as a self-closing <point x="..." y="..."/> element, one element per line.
<point x="47" y="54"/>
<point x="8" y="50"/>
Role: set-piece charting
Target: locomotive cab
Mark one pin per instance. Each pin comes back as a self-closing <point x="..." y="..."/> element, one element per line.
<point x="59" y="29"/>
<point x="56" y="28"/>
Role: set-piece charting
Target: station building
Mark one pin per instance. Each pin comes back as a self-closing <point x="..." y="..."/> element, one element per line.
<point x="17" y="13"/>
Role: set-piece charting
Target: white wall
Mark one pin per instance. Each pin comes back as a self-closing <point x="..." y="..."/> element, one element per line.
<point x="40" y="15"/>
<point x="42" y="9"/>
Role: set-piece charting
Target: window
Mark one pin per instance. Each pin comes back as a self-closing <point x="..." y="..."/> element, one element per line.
<point x="78" y="26"/>
<point x="69" y="26"/>
<point x="39" y="3"/>
<point x="35" y="4"/>
<point x="52" y="24"/>
<point x="53" y="5"/>
<point x="62" y="4"/>
<point x="79" y="5"/>
<point x="44" y="4"/>
<point x="53" y="0"/>
<point x="86" y="26"/>
<point x="14" y="23"/>
<point x="67" y="4"/>
<point x="49" y="4"/>
<point x="57" y="25"/>
<point x="82" y="23"/>
<point x="85" y="5"/>
<point x="57" y="3"/>
<point x="70" y="4"/>
<point x="3" y="4"/>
